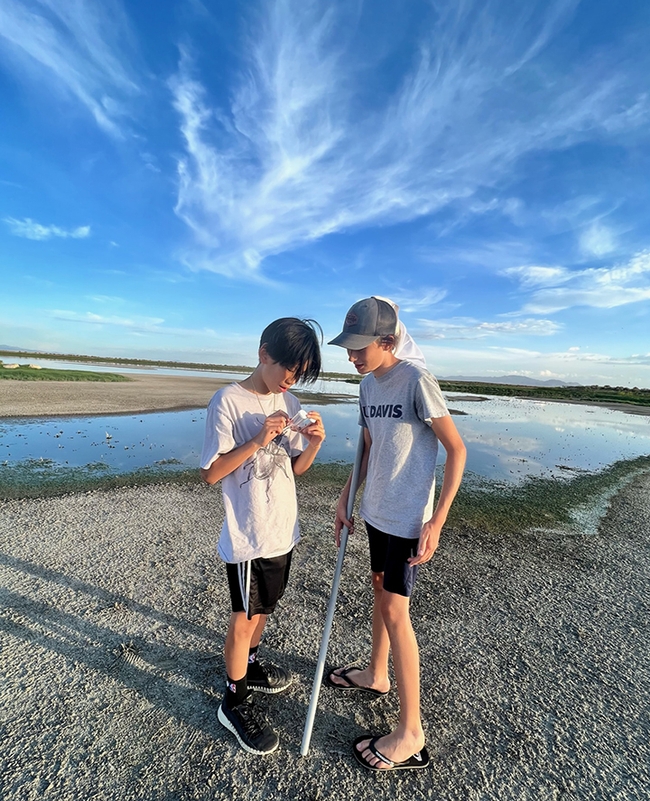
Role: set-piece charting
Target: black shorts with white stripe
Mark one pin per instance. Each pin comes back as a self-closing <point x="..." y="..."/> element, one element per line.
<point x="265" y="580"/>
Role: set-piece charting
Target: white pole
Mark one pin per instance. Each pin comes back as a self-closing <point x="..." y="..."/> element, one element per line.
<point x="322" y="654"/>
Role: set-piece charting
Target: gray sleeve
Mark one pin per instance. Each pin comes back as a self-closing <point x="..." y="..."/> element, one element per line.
<point x="362" y="419"/>
<point x="429" y="402"/>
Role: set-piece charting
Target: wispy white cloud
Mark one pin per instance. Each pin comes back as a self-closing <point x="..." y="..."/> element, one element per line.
<point x="299" y="154"/>
<point x="575" y="211"/>
<point x="137" y="325"/>
<point x="99" y="319"/>
<point x="607" y="287"/>
<point x="598" y="240"/>
<point x="150" y="162"/>
<point x="416" y="301"/>
<point x="78" y="46"/>
<point x="468" y="328"/>
<point x="534" y="276"/>
<point x="106" y="299"/>
<point x="584" y="367"/>
<point x="579" y="355"/>
<point x="494" y="256"/>
<point x="29" y="229"/>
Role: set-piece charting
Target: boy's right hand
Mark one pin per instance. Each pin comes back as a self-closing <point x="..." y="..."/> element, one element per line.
<point x="342" y="520"/>
<point x="273" y="425"/>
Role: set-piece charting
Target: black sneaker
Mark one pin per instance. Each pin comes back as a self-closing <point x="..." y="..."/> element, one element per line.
<point x="269" y="679"/>
<point x="249" y="727"/>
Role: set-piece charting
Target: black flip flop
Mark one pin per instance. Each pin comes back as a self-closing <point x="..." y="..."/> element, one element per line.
<point x="414" y="762"/>
<point x="349" y="684"/>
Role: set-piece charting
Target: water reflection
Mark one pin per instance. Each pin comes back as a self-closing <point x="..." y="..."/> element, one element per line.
<point x="507" y="438"/>
<point x="511" y="438"/>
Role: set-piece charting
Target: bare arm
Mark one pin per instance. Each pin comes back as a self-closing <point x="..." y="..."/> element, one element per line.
<point x="227" y="463"/>
<point x="447" y="433"/>
<point x="342" y="506"/>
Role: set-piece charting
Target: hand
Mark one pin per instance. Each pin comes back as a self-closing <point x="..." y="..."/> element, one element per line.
<point x="273" y="425"/>
<point x="429" y="538"/>
<point x="342" y="519"/>
<point x="315" y="433"/>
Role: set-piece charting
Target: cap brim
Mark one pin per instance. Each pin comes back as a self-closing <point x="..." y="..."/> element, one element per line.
<point x="353" y="341"/>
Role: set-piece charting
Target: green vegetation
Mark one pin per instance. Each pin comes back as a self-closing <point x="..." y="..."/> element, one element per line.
<point x="539" y="502"/>
<point x="498" y="507"/>
<point x="580" y="394"/>
<point x="43" y="478"/>
<point x="26" y="373"/>
<point x="118" y="361"/>
<point x="491" y="506"/>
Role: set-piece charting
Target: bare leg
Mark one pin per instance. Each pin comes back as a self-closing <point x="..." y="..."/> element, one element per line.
<point x="257" y="634"/>
<point x="376" y="674"/>
<point x="242" y="635"/>
<point x="408" y="737"/>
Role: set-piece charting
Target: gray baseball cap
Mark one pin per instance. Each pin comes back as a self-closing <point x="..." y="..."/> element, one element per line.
<point x="365" y="322"/>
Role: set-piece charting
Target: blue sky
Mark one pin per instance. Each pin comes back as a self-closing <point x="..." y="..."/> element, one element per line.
<point x="176" y="174"/>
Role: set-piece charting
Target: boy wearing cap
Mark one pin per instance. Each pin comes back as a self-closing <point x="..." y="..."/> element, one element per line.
<point x="250" y="448"/>
<point x="404" y="417"/>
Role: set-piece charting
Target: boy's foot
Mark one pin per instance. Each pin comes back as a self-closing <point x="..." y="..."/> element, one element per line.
<point x="270" y="679"/>
<point x="353" y="678"/>
<point x="249" y="727"/>
<point x="368" y="755"/>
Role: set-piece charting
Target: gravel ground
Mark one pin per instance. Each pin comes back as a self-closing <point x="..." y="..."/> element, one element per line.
<point x="534" y="650"/>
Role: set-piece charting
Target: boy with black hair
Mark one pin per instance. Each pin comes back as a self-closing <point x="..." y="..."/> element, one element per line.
<point x="404" y="416"/>
<point x="252" y="447"/>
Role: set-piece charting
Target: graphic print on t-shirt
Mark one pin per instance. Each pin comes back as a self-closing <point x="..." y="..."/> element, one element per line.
<point x="383" y="410"/>
<point x="266" y="462"/>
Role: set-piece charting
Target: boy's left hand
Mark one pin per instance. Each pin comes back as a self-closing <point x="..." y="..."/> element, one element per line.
<point x="429" y="538"/>
<point x="315" y="433"/>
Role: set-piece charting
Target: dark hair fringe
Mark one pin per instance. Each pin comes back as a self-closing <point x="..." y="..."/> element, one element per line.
<point x="388" y="339"/>
<point x="295" y="344"/>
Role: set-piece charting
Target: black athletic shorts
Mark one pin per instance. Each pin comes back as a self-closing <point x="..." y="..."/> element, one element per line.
<point x="268" y="579"/>
<point x="388" y="555"/>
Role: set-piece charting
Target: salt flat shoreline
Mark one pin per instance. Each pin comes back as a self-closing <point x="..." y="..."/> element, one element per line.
<point x="534" y="650"/>
<point x="142" y="393"/>
<point x="154" y="393"/>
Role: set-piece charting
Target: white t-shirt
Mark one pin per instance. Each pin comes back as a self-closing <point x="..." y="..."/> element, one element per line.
<point x="260" y="495"/>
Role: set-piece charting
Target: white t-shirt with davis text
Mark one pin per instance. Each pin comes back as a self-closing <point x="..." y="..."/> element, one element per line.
<point x="397" y="409"/>
<point x="260" y="495"/>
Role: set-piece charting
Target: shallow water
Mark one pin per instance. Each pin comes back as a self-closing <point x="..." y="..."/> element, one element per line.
<point x="508" y="439"/>
<point x="512" y="438"/>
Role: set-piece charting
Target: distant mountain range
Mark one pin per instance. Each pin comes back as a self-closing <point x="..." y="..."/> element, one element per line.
<point x="517" y="380"/>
